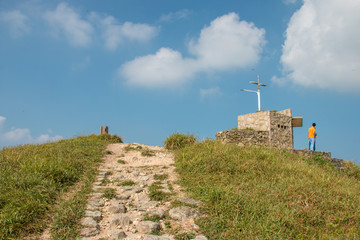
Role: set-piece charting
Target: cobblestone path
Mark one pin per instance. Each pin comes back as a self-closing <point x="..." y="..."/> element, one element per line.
<point x="136" y="197"/>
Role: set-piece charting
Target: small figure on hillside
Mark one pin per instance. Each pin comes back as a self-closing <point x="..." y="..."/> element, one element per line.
<point x="312" y="137"/>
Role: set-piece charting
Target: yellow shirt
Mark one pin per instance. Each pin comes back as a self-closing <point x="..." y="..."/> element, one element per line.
<point x="312" y="133"/>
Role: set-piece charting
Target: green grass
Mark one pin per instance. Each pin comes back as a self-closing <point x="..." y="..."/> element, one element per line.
<point x="152" y="217"/>
<point x="109" y="193"/>
<point x="121" y="161"/>
<point x="33" y="177"/>
<point x="132" y="148"/>
<point x="262" y="193"/>
<point x="144" y="152"/>
<point x="179" y="140"/>
<point x="157" y="195"/>
<point x="127" y="183"/>
<point x="147" y="153"/>
<point x="161" y="177"/>
<point x="185" y="236"/>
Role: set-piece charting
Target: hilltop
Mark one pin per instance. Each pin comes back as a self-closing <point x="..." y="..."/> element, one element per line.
<point x="246" y="192"/>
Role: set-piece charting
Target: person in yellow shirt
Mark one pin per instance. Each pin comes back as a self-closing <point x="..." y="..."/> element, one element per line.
<point x="312" y="137"/>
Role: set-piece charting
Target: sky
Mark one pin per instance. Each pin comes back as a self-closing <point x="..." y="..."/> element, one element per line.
<point x="147" y="69"/>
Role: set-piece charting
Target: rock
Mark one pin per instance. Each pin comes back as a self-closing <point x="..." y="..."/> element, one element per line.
<point x="117" y="207"/>
<point x="96" y="215"/>
<point x="144" y="206"/>
<point x="200" y="237"/>
<point x="183" y="213"/>
<point x="118" y="234"/>
<point x="121" y="220"/>
<point x="96" y="202"/>
<point x="148" y="227"/>
<point x="165" y="190"/>
<point x="89" y="232"/>
<point x="154" y="237"/>
<point x="127" y="188"/>
<point x="118" y="175"/>
<point x="143" y="197"/>
<point x="144" y="178"/>
<point x="139" y="189"/>
<point x="189" y="201"/>
<point x="157" y="212"/>
<point x="124" y="196"/>
<point x="89" y="222"/>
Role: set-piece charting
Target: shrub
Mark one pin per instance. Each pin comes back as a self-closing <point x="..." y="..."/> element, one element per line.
<point x="178" y="141"/>
<point x="111" y="138"/>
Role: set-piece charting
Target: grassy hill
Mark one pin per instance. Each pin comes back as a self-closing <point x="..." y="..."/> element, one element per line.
<point x="248" y="193"/>
<point x="43" y="185"/>
<point x="262" y="193"/>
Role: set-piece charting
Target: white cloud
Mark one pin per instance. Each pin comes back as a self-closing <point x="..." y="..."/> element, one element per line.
<point x="166" y="68"/>
<point x="45" y="138"/>
<point x="209" y="93"/>
<point x="64" y="19"/>
<point x="16" y="21"/>
<point x="181" y="14"/>
<point x="114" y="33"/>
<point x="227" y="43"/>
<point x="18" y="136"/>
<point x="322" y="45"/>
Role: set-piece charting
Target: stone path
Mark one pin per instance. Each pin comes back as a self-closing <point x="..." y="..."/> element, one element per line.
<point x="136" y="197"/>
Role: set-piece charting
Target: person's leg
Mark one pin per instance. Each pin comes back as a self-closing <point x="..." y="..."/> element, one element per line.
<point x="312" y="144"/>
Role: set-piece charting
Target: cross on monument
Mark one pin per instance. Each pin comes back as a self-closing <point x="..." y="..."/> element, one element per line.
<point x="257" y="92"/>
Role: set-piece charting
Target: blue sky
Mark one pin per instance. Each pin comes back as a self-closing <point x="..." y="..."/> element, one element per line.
<point x="148" y="69"/>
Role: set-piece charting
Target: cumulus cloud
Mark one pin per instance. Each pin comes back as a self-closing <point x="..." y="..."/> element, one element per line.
<point x="181" y="14"/>
<point x="16" y="136"/>
<point x="166" y="68"/>
<point x="68" y="22"/>
<point x="227" y="43"/>
<point x="16" y="21"/>
<point x="114" y="33"/>
<point x="322" y="46"/>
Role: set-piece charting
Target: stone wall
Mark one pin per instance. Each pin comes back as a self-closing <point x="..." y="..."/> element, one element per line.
<point x="244" y="137"/>
<point x="337" y="163"/>
<point x="278" y="124"/>
<point x="281" y="134"/>
<point x="259" y="121"/>
<point x="308" y="153"/>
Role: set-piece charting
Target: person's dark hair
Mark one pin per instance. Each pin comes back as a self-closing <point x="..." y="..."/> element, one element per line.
<point x="314" y="124"/>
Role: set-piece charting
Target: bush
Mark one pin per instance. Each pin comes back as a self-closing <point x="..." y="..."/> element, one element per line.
<point x="178" y="141"/>
<point x="111" y="138"/>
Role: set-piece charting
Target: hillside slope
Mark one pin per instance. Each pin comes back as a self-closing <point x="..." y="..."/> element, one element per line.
<point x="261" y="193"/>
